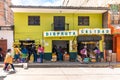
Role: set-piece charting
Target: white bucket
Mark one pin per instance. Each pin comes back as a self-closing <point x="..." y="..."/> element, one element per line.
<point x="25" y="65"/>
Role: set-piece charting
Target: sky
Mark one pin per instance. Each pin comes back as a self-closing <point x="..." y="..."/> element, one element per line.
<point x="38" y="2"/>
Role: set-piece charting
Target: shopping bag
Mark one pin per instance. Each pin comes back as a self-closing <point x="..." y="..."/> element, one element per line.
<point x="79" y="58"/>
<point x="39" y="60"/>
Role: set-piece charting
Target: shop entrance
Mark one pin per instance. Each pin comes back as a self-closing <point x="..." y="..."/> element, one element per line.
<point x="64" y="44"/>
<point x="60" y="48"/>
<point x="90" y="45"/>
<point x="90" y="41"/>
<point x="90" y="48"/>
<point x="26" y="43"/>
<point x="3" y="49"/>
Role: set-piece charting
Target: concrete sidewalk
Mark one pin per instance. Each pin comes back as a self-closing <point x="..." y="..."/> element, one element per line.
<point x="67" y="64"/>
<point x="64" y="74"/>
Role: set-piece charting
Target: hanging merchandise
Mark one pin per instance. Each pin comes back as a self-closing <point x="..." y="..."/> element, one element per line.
<point x="31" y="58"/>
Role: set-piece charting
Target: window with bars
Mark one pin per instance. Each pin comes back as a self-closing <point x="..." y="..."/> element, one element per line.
<point x="83" y="20"/>
<point x="33" y="20"/>
<point x="115" y="19"/>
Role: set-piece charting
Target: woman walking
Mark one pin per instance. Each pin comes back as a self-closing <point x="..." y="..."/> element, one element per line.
<point x="8" y="60"/>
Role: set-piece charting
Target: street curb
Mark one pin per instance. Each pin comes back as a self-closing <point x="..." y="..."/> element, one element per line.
<point x="65" y="65"/>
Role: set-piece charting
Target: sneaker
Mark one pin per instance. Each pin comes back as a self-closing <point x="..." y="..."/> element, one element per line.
<point x="5" y="71"/>
<point x="15" y="71"/>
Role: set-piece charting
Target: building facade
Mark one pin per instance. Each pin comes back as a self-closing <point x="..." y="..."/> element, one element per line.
<point x="6" y="14"/>
<point x="114" y="24"/>
<point x="6" y="25"/>
<point x="70" y="28"/>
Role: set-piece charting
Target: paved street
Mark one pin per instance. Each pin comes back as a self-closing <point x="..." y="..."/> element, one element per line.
<point x="64" y="74"/>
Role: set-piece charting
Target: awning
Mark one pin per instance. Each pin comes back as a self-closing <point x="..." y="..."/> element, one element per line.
<point x="108" y="37"/>
<point x="27" y="41"/>
<point x="89" y="38"/>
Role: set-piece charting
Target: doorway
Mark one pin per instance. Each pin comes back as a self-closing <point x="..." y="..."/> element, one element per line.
<point x="64" y="44"/>
<point x="90" y="45"/>
<point x="3" y="47"/>
<point x="90" y="48"/>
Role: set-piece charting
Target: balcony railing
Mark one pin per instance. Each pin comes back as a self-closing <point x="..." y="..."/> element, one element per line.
<point x="115" y="22"/>
<point x="59" y="28"/>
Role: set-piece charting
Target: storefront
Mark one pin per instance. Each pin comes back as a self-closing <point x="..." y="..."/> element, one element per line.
<point x="60" y="40"/>
<point x="49" y="27"/>
<point x="93" y="38"/>
<point x="116" y="43"/>
<point x="6" y="38"/>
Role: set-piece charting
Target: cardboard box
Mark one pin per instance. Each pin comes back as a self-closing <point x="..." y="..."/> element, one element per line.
<point x="54" y="57"/>
<point x="108" y="58"/>
<point x="115" y="21"/>
<point x="66" y="57"/>
<point x="113" y="57"/>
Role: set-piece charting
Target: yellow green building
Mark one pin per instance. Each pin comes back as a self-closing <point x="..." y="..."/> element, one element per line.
<point x="68" y="27"/>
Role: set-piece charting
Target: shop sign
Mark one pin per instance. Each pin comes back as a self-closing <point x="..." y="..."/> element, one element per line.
<point x="60" y="33"/>
<point x="95" y="31"/>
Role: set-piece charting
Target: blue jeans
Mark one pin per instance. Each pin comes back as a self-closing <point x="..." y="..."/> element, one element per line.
<point x="97" y="57"/>
<point x="41" y="57"/>
<point x="6" y="65"/>
<point x="17" y="56"/>
<point x="60" y="56"/>
<point x="35" y="57"/>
